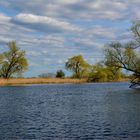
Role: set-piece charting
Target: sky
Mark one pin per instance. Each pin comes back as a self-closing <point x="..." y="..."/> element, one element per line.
<point x="51" y="31"/>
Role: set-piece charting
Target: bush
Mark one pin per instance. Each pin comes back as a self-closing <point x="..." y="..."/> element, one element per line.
<point x="60" y="74"/>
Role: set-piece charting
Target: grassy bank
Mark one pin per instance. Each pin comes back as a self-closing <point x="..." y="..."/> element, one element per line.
<point x="23" y="81"/>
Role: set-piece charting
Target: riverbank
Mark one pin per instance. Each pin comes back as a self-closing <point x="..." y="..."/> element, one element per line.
<point x="24" y="81"/>
<point x="30" y="81"/>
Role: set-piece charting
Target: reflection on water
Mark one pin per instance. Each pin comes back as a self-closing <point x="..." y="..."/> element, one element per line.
<point x="107" y="111"/>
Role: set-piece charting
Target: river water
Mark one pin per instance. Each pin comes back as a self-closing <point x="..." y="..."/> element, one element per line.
<point x="102" y="111"/>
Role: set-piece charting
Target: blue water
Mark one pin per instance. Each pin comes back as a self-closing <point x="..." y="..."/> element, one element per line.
<point x="103" y="111"/>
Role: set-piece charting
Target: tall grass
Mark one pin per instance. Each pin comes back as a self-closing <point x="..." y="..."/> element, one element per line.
<point x="22" y="81"/>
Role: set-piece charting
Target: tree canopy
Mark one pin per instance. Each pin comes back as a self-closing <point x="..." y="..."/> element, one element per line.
<point x="101" y="73"/>
<point x="77" y="65"/>
<point x="12" y="61"/>
<point x="125" y="56"/>
<point x="60" y="74"/>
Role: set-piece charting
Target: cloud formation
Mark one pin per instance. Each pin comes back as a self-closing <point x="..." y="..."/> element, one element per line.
<point x="51" y="31"/>
<point x="43" y="23"/>
<point x="76" y="9"/>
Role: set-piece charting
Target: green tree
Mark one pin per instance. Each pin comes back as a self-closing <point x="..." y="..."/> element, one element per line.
<point x="60" y="74"/>
<point x="114" y="74"/>
<point x="125" y="56"/>
<point x="101" y="73"/>
<point x="12" y="61"/>
<point x="77" y="65"/>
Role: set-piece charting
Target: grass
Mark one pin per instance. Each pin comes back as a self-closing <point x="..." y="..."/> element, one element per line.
<point x="30" y="81"/>
<point x="24" y="81"/>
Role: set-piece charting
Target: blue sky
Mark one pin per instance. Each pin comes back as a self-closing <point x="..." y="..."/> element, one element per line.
<point x="51" y="31"/>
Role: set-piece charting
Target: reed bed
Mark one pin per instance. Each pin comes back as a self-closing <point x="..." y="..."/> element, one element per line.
<point x="24" y="81"/>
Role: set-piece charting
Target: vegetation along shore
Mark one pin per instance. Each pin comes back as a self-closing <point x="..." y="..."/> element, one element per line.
<point x="24" y="81"/>
<point x="31" y="81"/>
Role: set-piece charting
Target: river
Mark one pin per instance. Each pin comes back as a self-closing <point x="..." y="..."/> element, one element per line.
<point x="99" y="111"/>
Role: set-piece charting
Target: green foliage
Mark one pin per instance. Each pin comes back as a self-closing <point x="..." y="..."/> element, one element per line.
<point x="60" y="74"/>
<point x="12" y="61"/>
<point x="122" y="56"/>
<point x="126" y="56"/>
<point x="101" y="73"/>
<point x="77" y="65"/>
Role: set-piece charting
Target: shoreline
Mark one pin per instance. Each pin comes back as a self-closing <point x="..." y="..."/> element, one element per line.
<point x="39" y="81"/>
<point x="44" y="81"/>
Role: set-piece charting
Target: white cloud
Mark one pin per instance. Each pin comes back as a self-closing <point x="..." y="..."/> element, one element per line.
<point x="73" y="9"/>
<point x="4" y="18"/>
<point x="44" y="23"/>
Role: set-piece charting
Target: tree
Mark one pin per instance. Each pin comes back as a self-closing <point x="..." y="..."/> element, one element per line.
<point x="60" y="74"/>
<point x="101" y="73"/>
<point x="12" y="61"/>
<point x="114" y="74"/>
<point x="47" y="75"/>
<point x="77" y="65"/>
<point x="126" y="56"/>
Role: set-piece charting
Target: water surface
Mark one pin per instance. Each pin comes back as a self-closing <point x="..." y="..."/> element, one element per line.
<point x="103" y="111"/>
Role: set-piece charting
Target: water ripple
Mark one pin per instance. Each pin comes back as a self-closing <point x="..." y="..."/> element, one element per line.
<point x="70" y="112"/>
